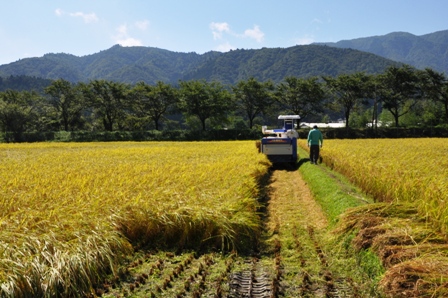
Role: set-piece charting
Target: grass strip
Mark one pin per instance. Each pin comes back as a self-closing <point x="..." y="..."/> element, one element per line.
<point x="390" y="244"/>
<point x="331" y="190"/>
<point x="362" y="269"/>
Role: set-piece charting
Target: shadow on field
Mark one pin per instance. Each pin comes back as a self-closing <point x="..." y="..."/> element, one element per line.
<point x="284" y="167"/>
<point x="290" y="167"/>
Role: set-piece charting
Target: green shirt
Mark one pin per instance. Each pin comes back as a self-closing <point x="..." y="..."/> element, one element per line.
<point x="314" y="136"/>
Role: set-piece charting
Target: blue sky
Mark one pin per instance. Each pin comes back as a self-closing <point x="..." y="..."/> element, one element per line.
<point x="32" y="28"/>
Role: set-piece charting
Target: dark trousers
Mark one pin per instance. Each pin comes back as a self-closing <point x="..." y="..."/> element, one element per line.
<point x="314" y="153"/>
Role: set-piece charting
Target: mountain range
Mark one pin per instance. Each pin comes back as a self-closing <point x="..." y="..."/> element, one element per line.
<point x="149" y="64"/>
<point x="429" y="50"/>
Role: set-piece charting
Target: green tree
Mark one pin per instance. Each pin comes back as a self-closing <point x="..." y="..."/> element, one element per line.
<point x="348" y="90"/>
<point x="205" y="100"/>
<point x="301" y="96"/>
<point x="109" y="100"/>
<point x="66" y="99"/>
<point x="399" y="90"/>
<point x="253" y="97"/>
<point x="18" y="111"/>
<point x="153" y="101"/>
<point x="435" y="87"/>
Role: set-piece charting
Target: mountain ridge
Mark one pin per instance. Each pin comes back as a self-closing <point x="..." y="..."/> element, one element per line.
<point x="150" y="64"/>
<point x="133" y="64"/>
<point x="421" y="51"/>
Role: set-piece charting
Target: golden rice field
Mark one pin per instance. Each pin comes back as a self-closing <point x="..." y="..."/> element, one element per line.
<point x="396" y="170"/>
<point x="70" y="212"/>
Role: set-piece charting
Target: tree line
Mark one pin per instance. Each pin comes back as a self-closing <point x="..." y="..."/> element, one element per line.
<point x="398" y="96"/>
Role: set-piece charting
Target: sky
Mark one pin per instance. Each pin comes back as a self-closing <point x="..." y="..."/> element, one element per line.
<point x="33" y="28"/>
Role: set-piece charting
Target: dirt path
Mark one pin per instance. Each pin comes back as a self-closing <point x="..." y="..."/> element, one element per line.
<point x="294" y="227"/>
<point x="290" y="198"/>
<point x="298" y="221"/>
<point x="289" y="261"/>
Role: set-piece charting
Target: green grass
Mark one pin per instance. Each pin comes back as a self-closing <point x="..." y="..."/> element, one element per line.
<point x="333" y="191"/>
<point x="336" y="195"/>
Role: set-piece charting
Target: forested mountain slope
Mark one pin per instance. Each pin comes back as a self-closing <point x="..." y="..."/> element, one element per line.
<point x="133" y="64"/>
<point x="277" y="63"/>
<point x="429" y="50"/>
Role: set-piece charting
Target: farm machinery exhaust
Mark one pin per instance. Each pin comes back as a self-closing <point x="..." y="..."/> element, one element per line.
<point x="280" y="145"/>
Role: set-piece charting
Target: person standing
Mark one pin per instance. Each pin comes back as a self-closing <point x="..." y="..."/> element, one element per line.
<point x="315" y="141"/>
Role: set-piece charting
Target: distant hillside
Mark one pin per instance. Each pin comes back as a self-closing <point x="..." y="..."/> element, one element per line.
<point x="133" y="64"/>
<point x="23" y="83"/>
<point x="429" y="50"/>
<point x="277" y="63"/>
<point x="125" y="64"/>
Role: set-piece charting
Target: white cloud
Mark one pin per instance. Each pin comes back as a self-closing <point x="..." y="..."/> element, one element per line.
<point x="142" y="25"/>
<point x="129" y="42"/>
<point x="218" y="29"/>
<point x="254" y="33"/>
<point x="87" y="17"/>
<point x="122" y="30"/>
<point x="225" y="47"/>
<point x="59" y="12"/>
<point x="122" y="37"/>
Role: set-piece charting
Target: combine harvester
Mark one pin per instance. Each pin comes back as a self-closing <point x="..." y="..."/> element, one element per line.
<point x="280" y="145"/>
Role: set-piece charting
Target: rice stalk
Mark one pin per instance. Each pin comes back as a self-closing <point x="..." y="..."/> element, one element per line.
<point x="71" y="211"/>
<point x="396" y="170"/>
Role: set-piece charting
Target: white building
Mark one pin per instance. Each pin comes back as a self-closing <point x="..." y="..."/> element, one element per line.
<point x="340" y="123"/>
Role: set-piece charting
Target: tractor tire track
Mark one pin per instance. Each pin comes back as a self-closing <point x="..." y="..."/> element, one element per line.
<point x="292" y="213"/>
<point x="256" y="283"/>
<point x="288" y="261"/>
